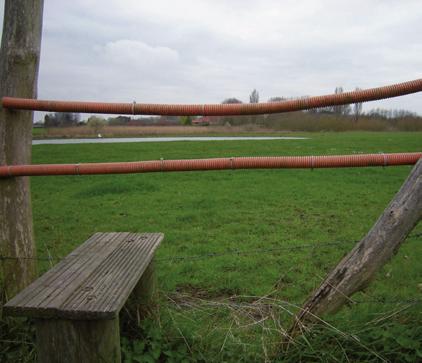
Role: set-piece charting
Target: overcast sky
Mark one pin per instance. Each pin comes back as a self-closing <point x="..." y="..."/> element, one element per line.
<point x="193" y="51"/>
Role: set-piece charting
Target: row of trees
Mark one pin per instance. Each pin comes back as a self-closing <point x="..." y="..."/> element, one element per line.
<point x="354" y="110"/>
<point x="68" y="119"/>
<point x="62" y="119"/>
<point x="350" y="112"/>
<point x="341" y="110"/>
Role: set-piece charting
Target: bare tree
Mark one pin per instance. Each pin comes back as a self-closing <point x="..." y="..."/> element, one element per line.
<point x="232" y="120"/>
<point x="277" y="99"/>
<point x="341" y="110"/>
<point x="254" y="96"/>
<point x="96" y="124"/>
<point x="337" y="109"/>
<point x="357" y="108"/>
<point x="19" y="61"/>
<point x="61" y="119"/>
<point x="231" y="100"/>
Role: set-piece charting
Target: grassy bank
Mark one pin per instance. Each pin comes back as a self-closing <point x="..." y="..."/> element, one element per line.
<point x="242" y="125"/>
<point x="270" y="229"/>
<point x="145" y="131"/>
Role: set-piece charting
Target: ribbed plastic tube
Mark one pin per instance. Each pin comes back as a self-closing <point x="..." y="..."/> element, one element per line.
<point x="275" y="162"/>
<point x="371" y="94"/>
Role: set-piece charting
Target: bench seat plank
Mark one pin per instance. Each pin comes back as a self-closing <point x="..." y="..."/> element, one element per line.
<point x="92" y="282"/>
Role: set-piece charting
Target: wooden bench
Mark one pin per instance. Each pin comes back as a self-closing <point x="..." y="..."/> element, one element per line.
<point x="76" y="304"/>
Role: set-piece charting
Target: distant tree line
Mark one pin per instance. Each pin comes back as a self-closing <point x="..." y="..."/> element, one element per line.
<point x="68" y="119"/>
<point x="346" y="113"/>
<point x="62" y="119"/>
<point x="339" y="117"/>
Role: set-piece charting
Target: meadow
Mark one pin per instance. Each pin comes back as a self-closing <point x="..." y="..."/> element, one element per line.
<point x="244" y="248"/>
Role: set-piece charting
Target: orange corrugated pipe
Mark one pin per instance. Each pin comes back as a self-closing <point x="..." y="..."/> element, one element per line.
<point x="256" y="162"/>
<point x="370" y="94"/>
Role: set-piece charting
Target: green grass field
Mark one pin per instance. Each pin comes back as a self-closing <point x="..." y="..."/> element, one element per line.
<point x="210" y="308"/>
<point x="38" y="132"/>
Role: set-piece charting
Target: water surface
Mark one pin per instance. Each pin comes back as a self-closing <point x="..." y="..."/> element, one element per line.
<point x="160" y="139"/>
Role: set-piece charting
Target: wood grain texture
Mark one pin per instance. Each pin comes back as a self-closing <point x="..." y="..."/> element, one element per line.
<point x="143" y="302"/>
<point x="19" y="62"/>
<point x="75" y="341"/>
<point x="93" y="282"/>
<point x="358" y="268"/>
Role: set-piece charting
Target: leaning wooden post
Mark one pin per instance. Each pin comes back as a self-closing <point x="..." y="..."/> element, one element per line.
<point x="356" y="270"/>
<point x="19" y="61"/>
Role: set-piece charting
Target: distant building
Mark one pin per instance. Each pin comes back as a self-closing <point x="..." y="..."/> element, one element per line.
<point x="206" y="121"/>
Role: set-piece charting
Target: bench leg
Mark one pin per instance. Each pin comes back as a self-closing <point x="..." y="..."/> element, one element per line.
<point x="142" y="303"/>
<point x="78" y="341"/>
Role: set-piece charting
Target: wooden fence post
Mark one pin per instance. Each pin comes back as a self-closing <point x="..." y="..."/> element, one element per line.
<point x="356" y="270"/>
<point x="19" y="61"/>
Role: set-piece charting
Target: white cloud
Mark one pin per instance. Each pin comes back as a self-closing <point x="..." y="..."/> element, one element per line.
<point x="192" y="51"/>
<point x="133" y="53"/>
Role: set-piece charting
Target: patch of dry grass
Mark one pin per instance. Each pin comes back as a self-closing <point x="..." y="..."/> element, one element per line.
<point x="139" y="131"/>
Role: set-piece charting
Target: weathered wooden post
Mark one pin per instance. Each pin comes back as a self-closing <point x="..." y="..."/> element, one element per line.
<point x="19" y="61"/>
<point x="358" y="268"/>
